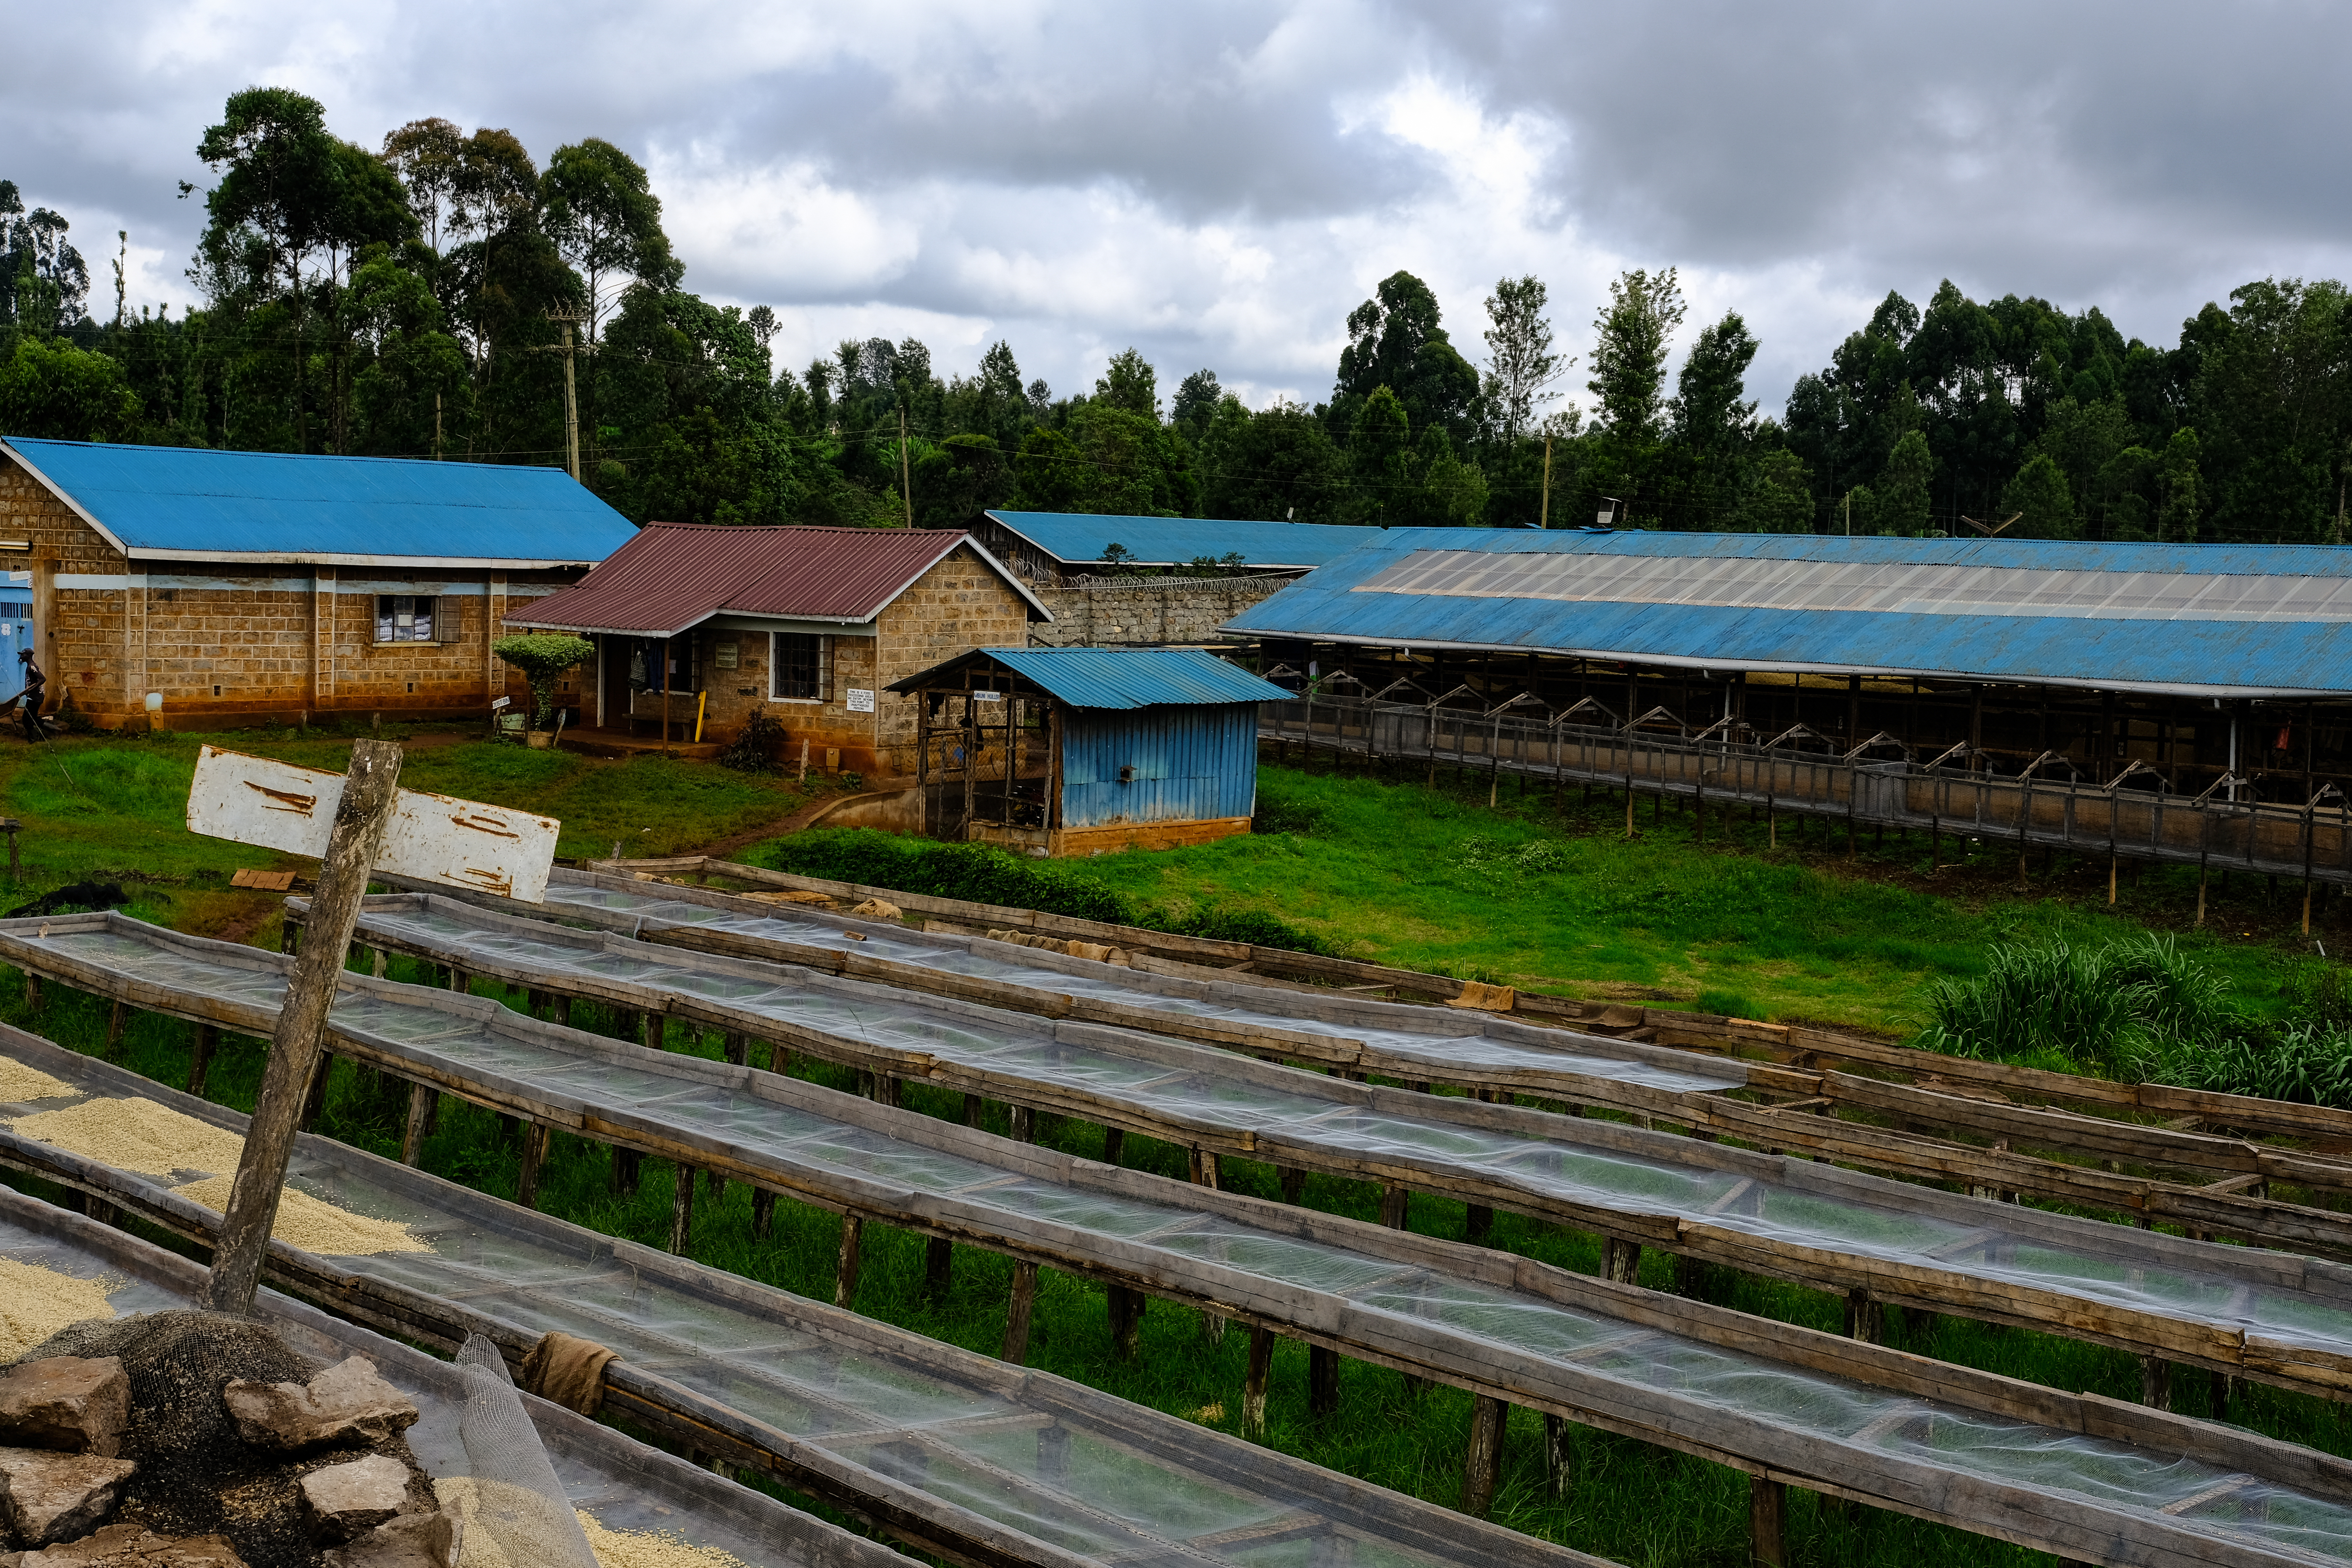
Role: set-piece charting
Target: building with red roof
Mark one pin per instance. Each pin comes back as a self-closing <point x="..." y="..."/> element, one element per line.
<point x="698" y="627"/>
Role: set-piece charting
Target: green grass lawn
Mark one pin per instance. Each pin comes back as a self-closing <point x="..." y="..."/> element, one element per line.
<point x="1434" y="880"/>
<point x="1396" y="872"/>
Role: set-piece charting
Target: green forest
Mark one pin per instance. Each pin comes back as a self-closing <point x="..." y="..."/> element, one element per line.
<point x="447" y="295"/>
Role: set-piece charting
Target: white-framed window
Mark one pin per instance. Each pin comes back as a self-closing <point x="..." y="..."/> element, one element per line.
<point x="800" y="666"/>
<point x="406" y="618"/>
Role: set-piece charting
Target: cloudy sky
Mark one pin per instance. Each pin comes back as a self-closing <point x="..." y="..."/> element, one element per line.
<point x="1219" y="183"/>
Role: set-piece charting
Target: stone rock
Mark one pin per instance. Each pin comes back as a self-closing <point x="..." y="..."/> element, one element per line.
<point x="132" y="1546"/>
<point x="346" y="1403"/>
<point x="66" y="1402"/>
<point x="412" y="1541"/>
<point x="48" y="1497"/>
<point x="344" y="1500"/>
<point x="878" y="910"/>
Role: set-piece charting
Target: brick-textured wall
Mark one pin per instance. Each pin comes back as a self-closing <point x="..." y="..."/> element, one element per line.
<point x="1150" y="617"/>
<point x="183" y="628"/>
<point x="958" y="606"/>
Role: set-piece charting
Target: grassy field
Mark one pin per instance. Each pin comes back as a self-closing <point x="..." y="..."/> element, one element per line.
<point x="1562" y="901"/>
<point x="1387" y="872"/>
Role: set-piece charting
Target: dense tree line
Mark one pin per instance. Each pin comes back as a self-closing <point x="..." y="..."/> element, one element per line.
<point x="434" y="296"/>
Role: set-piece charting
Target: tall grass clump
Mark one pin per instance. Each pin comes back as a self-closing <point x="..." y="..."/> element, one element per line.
<point x="2125" y="1008"/>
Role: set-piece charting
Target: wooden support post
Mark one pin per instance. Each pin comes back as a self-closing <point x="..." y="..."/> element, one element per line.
<point x="1114" y="1145"/>
<point x="658" y="1031"/>
<point x="1621" y="1260"/>
<point x="2156" y="1382"/>
<point x="1767" y="1523"/>
<point x="1865" y="1317"/>
<point x="1016" y="1316"/>
<point x="200" y="1057"/>
<point x="314" y="1100"/>
<point x="627" y="1167"/>
<point x="763" y="1213"/>
<point x="1025" y="1124"/>
<point x="1559" y="1456"/>
<point x="1126" y="1320"/>
<point x="1396" y="1208"/>
<point x="563" y="1011"/>
<point x="2200" y="895"/>
<point x="1261" y="1368"/>
<point x="120" y="1015"/>
<point x="1482" y="1466"/>
<point x="1322" y="1381"/>
<point x="681" y="1209"/>
<point x="1294" y="1182"/>
<point x="939" y="1269"/>
<point x="2113" y="862"/>
<point x="852" y="1259"/>
<point x="2228" y="1391"/>
<point x="972" y="1104"/>
<point x="713" y="1183"/>
<point x="535" y="1156"/>
<point x="32" y="992"/>
<point x="1481" y="1225"/>
<point x="738" y="1049"/>
<point x="420" y="1117"/>
<point x="370" y="788"/>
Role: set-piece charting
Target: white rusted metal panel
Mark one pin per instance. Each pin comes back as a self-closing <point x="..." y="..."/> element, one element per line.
<point x="435" y="838"/>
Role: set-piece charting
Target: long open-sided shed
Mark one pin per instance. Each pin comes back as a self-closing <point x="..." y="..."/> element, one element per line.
<point x="1075" y="750"/>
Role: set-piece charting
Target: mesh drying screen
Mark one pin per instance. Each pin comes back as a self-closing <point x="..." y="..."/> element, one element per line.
<point x="511" y="1495"/>
<point x="1456" y="1318"/>
<point x="2095" y="1261"/>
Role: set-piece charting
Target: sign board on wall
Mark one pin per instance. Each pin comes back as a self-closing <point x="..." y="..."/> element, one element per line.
<point x="860" y="702"/>
<point x="433" y="838"/>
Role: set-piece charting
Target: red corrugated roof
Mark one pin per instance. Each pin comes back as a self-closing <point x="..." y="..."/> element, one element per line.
<point x="674" y="576"/>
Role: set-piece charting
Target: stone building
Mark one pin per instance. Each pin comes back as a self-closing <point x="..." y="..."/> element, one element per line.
<point x="194" y="589"/>
<point x="1156" y="592"/>
<point x="699" y="627"/>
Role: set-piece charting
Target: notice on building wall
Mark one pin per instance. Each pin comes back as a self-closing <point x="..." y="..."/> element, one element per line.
<point x="860" y="702"/>
<point x="722" y="654"/>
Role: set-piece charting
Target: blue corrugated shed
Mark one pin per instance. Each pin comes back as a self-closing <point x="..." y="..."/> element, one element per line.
<point x="178" y="504"/>
<point x="2204" y="619"/>
<point x="1076" y="539"/>
<point x="1117" y="678"/>
<point x="1183" y="764"/>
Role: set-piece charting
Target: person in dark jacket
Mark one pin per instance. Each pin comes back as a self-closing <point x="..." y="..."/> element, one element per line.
<point x="36" y="687"/>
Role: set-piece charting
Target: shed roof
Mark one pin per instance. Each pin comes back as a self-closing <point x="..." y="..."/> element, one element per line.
<point x="177" y="503"/>
<point x="674" y="576"/>
<point x="2223" y="620"/>
<point x="1077" y="539"/>
<point x="1114" y="676"/>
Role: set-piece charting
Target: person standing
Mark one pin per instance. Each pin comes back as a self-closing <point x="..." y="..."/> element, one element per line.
<point x="36" y="691"/>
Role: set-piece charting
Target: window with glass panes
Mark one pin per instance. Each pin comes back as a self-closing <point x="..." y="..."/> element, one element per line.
<point x="404" y="617"/>
<point x="800" y="666"/>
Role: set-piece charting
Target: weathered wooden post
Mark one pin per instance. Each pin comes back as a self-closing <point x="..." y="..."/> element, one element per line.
<point x="370" y="792"/>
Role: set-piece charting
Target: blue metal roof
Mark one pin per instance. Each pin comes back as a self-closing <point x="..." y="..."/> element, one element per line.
<point x="1118" y="677"/>
<point x="183" y="503"/>
<point x="1075" y="538"/>
<point x="2208" y="620"/>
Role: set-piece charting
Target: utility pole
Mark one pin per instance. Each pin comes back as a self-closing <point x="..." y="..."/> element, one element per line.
<point x="567" y="316"/>
<point x="436" y="426"/>
<point x="906" y="478"/>
<point x="1546" y="514"/>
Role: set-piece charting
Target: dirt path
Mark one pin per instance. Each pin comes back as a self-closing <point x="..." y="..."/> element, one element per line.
<point x="808" y="813"/>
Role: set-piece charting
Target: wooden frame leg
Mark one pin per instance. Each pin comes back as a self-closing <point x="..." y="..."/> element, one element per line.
<point x="1621" y="1260"/>
<point x="1482" y="1466"/>
<point x="852" y="1261"/>
<point x="938" y="1268"/>
<point x="627" y="1168"/>
<point x="1261" y="1368"/>
<point x="1114" y="1144"/>
<point x="1126" y="1320"/>
<point x="1481" y="1225"/>
<point x="738" y="1049"/>
<point x="1016" y="1316"/>
<point x="763" y="1213"/>
<point x="2156" y="1382"/>
<point x="535" y="1158"/>
<point x="1767" y="1523"/>
<point x="1024" y="1125"/>
<point x="420" y="1116"/>
<point x="315" y="1101"/>
<point x="1396" y="1208"/>
<point x="117" y="1019"/>
<point x="1322" y="1381"/>
<point x="1294" y="1182"/>
<point x="681" y="1210"/>
<point x="200" y="1057"/>
<point x="1559" y="1455"/>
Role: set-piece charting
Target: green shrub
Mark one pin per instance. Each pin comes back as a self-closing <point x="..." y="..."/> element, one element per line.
<point x="753" y="750"/>
<point x="542" y="656"/>
<point x="1729" y="1005"/>
<point x="2124" y="1008"/>
<point x="2308" y="1061"/>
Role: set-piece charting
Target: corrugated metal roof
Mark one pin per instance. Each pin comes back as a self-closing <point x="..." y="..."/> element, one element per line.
<point x="674" y="576"/>
<point x="1115" y="677"/>
<point x="2204" y="619"/>
<point x="181" y="503"/>
<point x="1074" y="539"/>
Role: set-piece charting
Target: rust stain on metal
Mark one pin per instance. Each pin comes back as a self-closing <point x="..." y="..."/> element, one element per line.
<point x="303" y="804"/>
